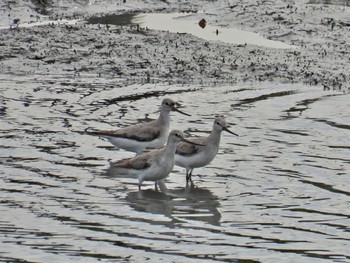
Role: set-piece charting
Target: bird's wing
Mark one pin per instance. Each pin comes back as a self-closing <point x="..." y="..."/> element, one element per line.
<point x="139" y="162"/>
<point x="140" y="132"/>
<point x="187" y="149"/>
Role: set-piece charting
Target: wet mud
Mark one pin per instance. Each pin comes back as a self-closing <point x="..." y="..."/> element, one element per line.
<point x="137" y="55"/>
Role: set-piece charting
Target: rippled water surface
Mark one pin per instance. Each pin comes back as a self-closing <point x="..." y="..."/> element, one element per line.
<point x="279" y="191"/>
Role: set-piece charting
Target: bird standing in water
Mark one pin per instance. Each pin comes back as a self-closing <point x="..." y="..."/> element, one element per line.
<point x="191" y="156"/>
<point x="154" y="165"/>
<point x="136" y="138"/>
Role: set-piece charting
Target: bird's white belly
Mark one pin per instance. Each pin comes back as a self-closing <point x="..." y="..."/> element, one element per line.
<point x="158" y="171"/>
<point x="136" y="146"/>
<point x="198" y="160"/>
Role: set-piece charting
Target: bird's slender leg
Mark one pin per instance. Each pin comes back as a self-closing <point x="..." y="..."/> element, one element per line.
<point x="189" y="175"/>
<point x="140" y="183"/>
<point x="162" y="185"/>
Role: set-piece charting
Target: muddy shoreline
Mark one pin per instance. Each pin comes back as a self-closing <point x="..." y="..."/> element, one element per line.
<point x="279" y="190"/>
<point x="138" y="55"/>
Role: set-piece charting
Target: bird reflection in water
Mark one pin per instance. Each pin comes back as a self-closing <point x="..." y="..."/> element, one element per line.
<point x="185" y="204"/>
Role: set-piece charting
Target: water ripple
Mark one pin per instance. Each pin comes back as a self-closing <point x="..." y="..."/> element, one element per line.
<point x="278" y="190"/>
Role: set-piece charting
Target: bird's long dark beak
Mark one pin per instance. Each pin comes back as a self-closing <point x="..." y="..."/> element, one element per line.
<point x="198" y="144"/>
<point x="226" y="129"/>
<point x="176" y="109"/>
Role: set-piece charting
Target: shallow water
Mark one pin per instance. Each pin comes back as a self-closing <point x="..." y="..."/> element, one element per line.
<point x="172" y="22"/>
<point x="280" y="190"/>
<point x="185" y="23"/>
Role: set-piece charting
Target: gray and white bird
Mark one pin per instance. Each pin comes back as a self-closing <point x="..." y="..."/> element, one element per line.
<point x="154" y="165"/>
<point x="191" y="156"/>
<point x="136" y="138"/>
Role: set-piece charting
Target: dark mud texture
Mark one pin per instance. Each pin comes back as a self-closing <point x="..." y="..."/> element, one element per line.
<point x="138" y="55"/>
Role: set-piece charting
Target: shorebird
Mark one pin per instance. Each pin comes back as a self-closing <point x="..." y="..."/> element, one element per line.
<point x="154" y="165"/>
<point x="136" y="138"/>
<point x="191" y="156"/>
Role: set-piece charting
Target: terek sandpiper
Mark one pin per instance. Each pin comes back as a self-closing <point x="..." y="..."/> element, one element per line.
<point x="136" y="138"/>
<point x="191" y="156"/>
<point x="154" y="165"/>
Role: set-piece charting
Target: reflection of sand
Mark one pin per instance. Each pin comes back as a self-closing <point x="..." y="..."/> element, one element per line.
<point x="132" y="55"/>
<point x="179" y="205"/>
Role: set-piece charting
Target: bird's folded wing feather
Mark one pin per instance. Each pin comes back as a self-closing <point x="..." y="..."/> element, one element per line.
<point x="187" y="149"/>
<point x="140" y="132"/>
<point x="139" y="162"/>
